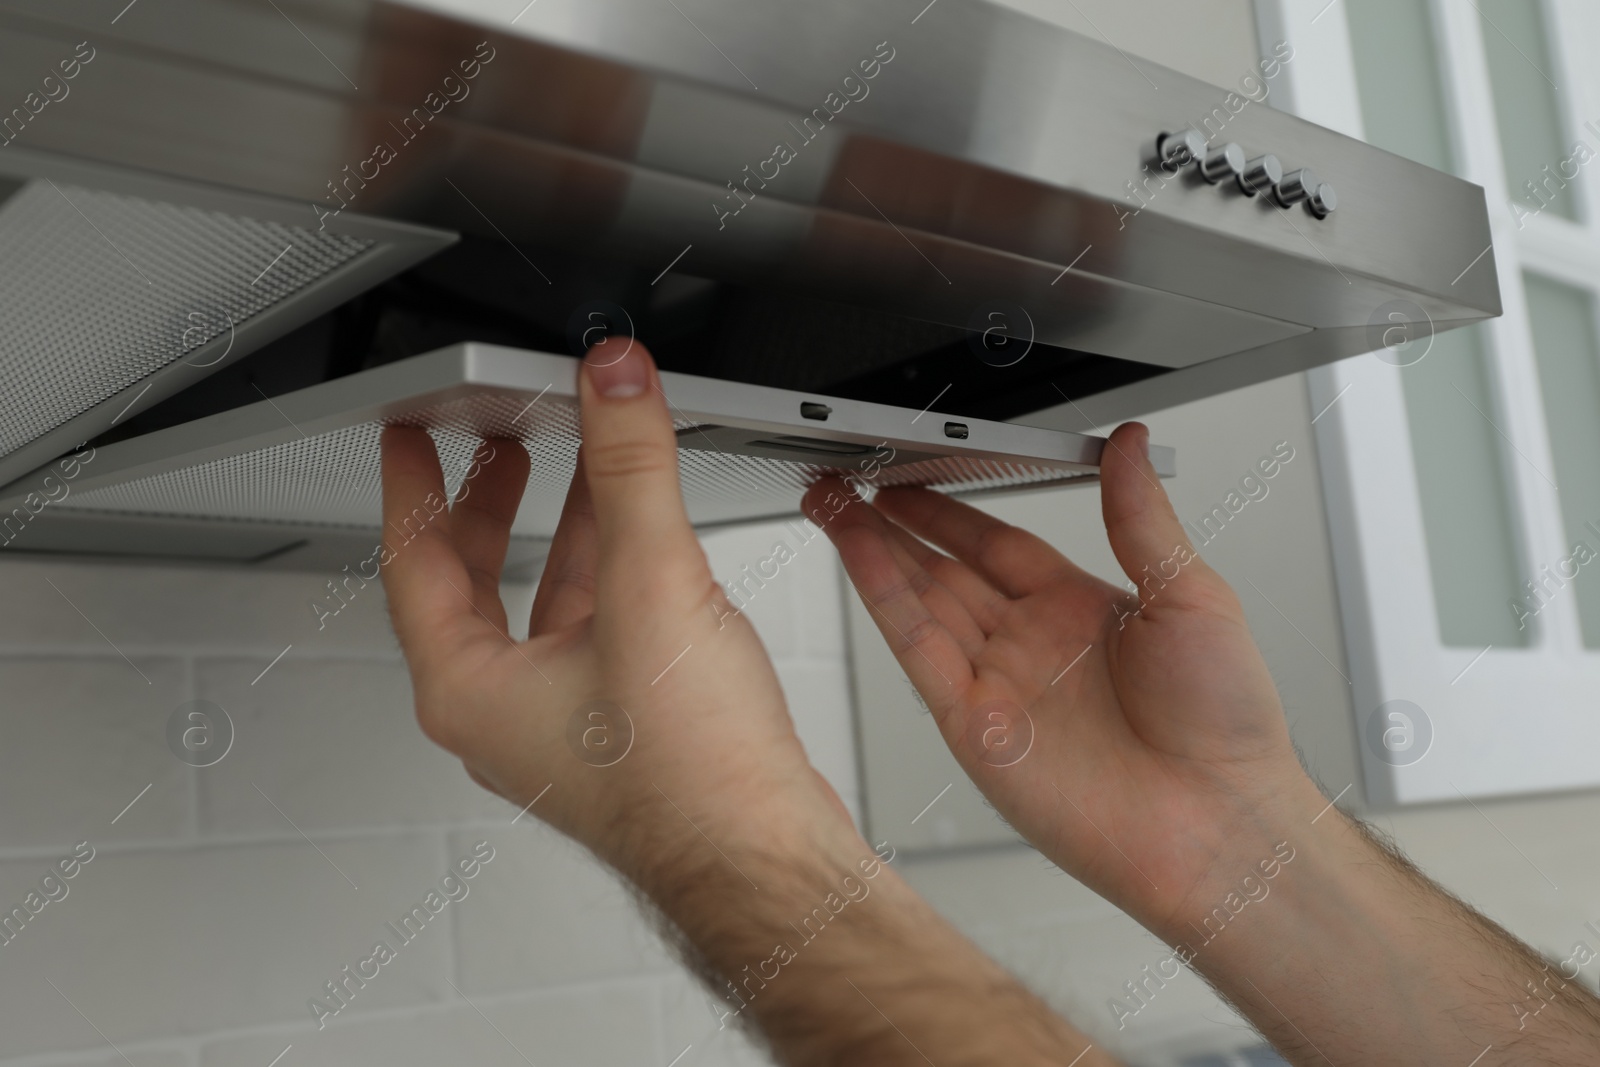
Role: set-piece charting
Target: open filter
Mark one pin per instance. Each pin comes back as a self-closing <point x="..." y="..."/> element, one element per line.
<point x="120" y="288"/>
<point x="276" y="476"/>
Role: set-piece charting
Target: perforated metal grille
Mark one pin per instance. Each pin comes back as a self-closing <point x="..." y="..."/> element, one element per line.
<point x="333" y="478"/>
<point x="101" y="290"/>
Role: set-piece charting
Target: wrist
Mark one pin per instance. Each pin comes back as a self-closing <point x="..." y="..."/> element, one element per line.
<point x="675" y="847"/>
<point x="755" y="900"/>
<point x="1310" y="879"/>
<point x="1349" y="954"/>
<point x="800" y="926"/>
<point x="1242" y="853"/>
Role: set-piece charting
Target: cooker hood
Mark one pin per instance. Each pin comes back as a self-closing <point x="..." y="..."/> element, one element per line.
<point x="902" y="204"/>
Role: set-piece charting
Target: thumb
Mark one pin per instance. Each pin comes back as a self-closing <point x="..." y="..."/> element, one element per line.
<point x="630" y="459"/>
<point x="1145" y="534"/>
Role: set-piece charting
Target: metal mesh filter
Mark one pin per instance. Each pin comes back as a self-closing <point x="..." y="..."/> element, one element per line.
<point x="333" y="478"/>
<point x="100" y="290"/>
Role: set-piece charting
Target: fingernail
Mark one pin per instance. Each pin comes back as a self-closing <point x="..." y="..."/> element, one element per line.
<point x="1144" y="442"/>
<point x="621" y="378"/>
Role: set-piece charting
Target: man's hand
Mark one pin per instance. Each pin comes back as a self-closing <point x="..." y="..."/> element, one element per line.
<point x="640" y="700"/>
<point x="650" y="713"/>
<point x="1137" y="741"/>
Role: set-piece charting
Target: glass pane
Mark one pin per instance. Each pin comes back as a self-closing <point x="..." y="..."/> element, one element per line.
<point x="1466" y="512"/>
<point x="1568" y="354"/>
<point x="1539" y="165"/>
<point x="1461" y="479"/>
<point x="1397" y="71"/>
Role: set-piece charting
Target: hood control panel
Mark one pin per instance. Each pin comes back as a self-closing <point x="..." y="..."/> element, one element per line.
<point x="1177" y="149"/>
<point x="1261" y="174"/>
<point x="1222" y="162"/>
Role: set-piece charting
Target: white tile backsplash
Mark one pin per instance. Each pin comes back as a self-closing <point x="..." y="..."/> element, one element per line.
<point x="83" y="737"/>
<point x="141" y="607"/>
<point x="334" y="744"/>
<point x="217" y="904"/>
<point x="137" y="1057"/>
<point x="177" y="941"/>
<point x="544" y="914"/>
<point x="580" y="1027"/>
<point x="209" y="917"/>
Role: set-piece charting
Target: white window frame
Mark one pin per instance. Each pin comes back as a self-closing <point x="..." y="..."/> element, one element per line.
<point x="1504" y="721"/>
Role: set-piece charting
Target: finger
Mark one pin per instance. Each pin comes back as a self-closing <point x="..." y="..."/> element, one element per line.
<point x="981" y="601"/>
<point x="926" y="650"/>
<point x="422" y="574"/>
<point x="941" y="603"/>
<point x="566" y="588"/>
<point x="1145" y="534"/>
<point x="1010" y="559"/>
<point x="631" y="462"/>
<point x="481" y="516"/>
<point x="917" y="562"/>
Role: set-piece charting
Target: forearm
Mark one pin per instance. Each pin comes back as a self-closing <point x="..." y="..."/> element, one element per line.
<point x="1352" y="955"/>
<point x="813" y="938"/>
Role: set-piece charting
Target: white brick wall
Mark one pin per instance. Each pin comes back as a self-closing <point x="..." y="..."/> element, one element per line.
<point x="206" y="920"/>
<point x="222" y="900"/>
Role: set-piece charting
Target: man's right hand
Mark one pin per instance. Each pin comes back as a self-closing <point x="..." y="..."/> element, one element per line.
<point x="1137" y="741"/>
<point x="1156" y="767"/>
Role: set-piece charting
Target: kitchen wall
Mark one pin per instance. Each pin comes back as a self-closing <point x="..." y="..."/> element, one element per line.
<point x="219" y="900"/>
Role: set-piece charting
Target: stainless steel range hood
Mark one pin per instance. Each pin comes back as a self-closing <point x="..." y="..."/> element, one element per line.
<point x="881" y="203"/>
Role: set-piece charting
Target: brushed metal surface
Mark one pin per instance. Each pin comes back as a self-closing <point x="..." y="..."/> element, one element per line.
<point x="988" y="154"/>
